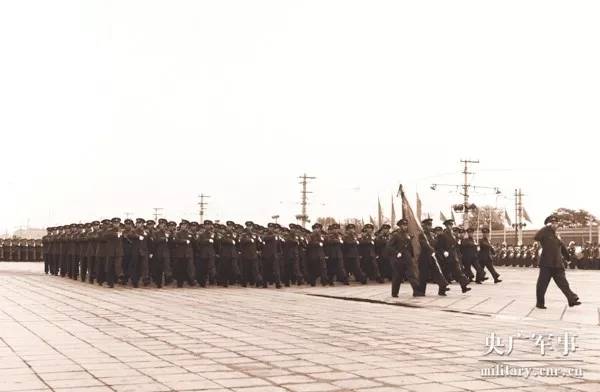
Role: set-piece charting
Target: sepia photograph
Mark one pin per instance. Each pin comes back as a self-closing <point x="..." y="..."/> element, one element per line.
<point x="299" y="196"/>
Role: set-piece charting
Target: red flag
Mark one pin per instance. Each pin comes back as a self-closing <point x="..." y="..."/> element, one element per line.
<point x="379" y="213"/>
<point x="393" y="217"/>
<point x="414" y="230"/>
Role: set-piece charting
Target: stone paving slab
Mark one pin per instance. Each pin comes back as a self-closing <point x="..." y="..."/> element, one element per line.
<point x="61" y="335"/>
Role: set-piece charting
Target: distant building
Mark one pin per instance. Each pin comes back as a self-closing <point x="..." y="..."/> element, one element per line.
<point x="30" y="233"/>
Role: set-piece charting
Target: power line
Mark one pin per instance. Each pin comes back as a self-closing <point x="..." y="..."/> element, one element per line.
<point x="303" y="217"/>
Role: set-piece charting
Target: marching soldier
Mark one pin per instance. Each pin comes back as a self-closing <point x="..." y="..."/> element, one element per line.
<point x="351" y="255"/>
<point x="428" y="264"/>
<point x="271" y="256"/>
<point x="334" y="256"/>
<point x="228" y="271"/>
<point x="315" y="255"/>
<point x="291" y="272"/>
<point x="46" y="249"/>
<point x="113" y="269"/>
<point x="248" y="247"/>
<point x="486" y="251"/>
<point x="469" y="258"/>
<point x="183" y="260"/>
<point x="205" y="255"/>
<point x="161" y="255"/>
<point x="400" y="252"/>
<point x="551" y="264"/>
<point x="139" y="265"/>
<point x="447" y="245"/>
<point x="368" y="255"/>
<point x="90" y="253"/>
<point x="381" y="238"/>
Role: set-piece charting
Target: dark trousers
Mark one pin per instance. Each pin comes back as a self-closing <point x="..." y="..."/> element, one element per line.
<point x="317" y="267"/>
<point x="250" y="273"/>
<point x="370" y="267"/>
<point x="352" y="265"/>
<point x="91" y="268"/>
<point x="139" y="269"/>
<point x="159" y="265"/>
<point x="183" y="269"/>
<point x="271" y="270"/>
<point x="335" y="269"/>
<point x="46" y="263"/>
<point x="228" y="271"/>
<point x="456" y="271"/>
<point x="206" y="270"/>
<point x="558" y="274"/>
<point x="471" y="261"/>
<point x="429" y="268"/>
<point x="83" y="268"/>
<point x="113" y="269"/>
<point x="291" y="270"/>
<point x="487" y="263"/>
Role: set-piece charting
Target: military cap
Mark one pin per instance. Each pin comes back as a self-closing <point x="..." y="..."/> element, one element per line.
<point x="208" y="222"/>
<point x="73" y="225"/>
<point x="184" y="222"/>
<point x="195" y="224"/>
<point x="128" y="222"/>
<point x="550" y="219"/>
<point x="162" y="220"/>
<point x="87" y="225"/>
<point x="470" y="230"/>
<point x="150" y="222"/>
<point x="334" y="226"/>
<point x="116" y="220"/>
<point x="350" y="226"/>
<point x="49" y="228"/>
<point x="140" y="220"/>
<point x="230" y="223"/>
<point x="172" y="223"/>
<point x="485" y="230"/>
<point x="438" y="228"/>
<point x="95" y="223"/>
<point x="402" y="222"/>
<point x="270" y="225"/>
<point x="427" y="221"/>
<point x="368" y="226"/>
<point x="238" y="226"/>
<point x="249" y="223"/>
<point x="385" y="226"/>
<point x="292" y="225"/>
<point x="448" y="222"/>
<point x="317" y="226"/>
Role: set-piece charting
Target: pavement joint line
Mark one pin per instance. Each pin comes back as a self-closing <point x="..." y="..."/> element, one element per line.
<point x="563" y="312"/>
<point x="506" y="306"/>
<point x="479" y="303"/>
<point x="26" y="362"/>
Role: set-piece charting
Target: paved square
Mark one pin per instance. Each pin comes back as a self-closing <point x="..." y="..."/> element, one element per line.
<point x="60" y="335"/>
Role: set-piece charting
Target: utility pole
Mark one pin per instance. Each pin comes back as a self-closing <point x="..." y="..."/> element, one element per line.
<point x="303" y="217"/>
<point x="518" y="225"/>
<point x="157" y="213"/>
<point x="202" y="205"/>
<point x="466" y="187"/>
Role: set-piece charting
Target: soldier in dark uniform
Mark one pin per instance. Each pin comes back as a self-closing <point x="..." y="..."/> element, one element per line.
<point x="73" y="249"/>
<point x="400" y="251"/>
<point x="248" y="248"/>
<point x="469" y="258"/>
<point x="139" y="238"/>
<point x="113" y="235"/>
<point x="228" y="269"/>
<point x="428" y="264"/>
<point x="204" y="254"/>
<point x="315" y="255"/>
<point x="334" y="256"/>
<point x="19" y="249"/>
<point x="90" y="253"/>
<point x="183" y="260"/>
<point x="551" y="264"/>
<point x="84" y="232"/>
<point x="161" y="255"/>
<point x="129" y="236"/>
<point x="368" y="255"/>
<point x="381" y="238"/>
<point x="486" y="251"/>
<point x="291" y="272"/>
<point x="351" y="255"/>
<point x="272" y="250"/>
<point x="46" y="250"/>
<point x="447" y="246"/>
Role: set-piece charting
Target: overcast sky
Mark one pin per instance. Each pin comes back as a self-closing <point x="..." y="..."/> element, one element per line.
<point x="112" y="107"/>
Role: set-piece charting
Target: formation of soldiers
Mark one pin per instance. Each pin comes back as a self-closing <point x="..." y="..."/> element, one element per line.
<point x="20" y="250"/>
<point x="580" y="257"/>
<point x="162" y="253"/>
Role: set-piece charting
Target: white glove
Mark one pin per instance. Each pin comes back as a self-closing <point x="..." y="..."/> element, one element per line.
<point x="399" y="255"/>
<point x="433" y="254"/>
<point x="446" y="254"/>
<point x="119" y="234"/>
<point x="187" y="241"/>
<point x="211" y="240"/>
<point x="150" y="255"/>
<point x="141" y="238"/>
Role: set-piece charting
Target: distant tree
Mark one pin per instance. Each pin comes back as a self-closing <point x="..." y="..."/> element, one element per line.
<point x="574" y="218"/>
<point x="497" y="217"/>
